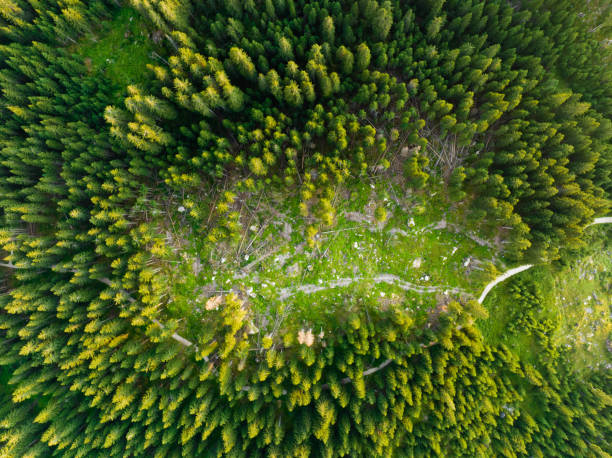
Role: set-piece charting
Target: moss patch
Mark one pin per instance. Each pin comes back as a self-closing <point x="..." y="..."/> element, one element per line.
<point x="120" y="48"/>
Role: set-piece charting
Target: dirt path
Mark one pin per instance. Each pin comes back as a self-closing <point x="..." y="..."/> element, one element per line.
<point x="604" y="220"/>
<point x="391" y="279"/>
<point x="501" y="278"/>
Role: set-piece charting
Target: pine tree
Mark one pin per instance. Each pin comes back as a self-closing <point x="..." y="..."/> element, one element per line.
<point x="242" y="63"/>
<point x="345" y="59"/>
<point x="362" y="59"/>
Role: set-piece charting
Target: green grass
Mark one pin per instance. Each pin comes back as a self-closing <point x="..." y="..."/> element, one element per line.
<point x="577" y="296"/>
<point x="120" y="48"/>
<point x="500" y="304"/>
<point x="582" y="294"/>
<point x="349" y="249"/>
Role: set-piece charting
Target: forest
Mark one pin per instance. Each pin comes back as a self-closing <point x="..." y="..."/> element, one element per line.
<point x="261" y="228"/>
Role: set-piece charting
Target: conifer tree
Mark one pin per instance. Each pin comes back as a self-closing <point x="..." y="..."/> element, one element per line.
<point x="362" y="60"/>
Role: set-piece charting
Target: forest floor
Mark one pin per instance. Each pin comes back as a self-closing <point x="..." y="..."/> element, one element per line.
<point x="577" y="295"/>
<point x="418" y="255"/>
<point x="121" y="48"/>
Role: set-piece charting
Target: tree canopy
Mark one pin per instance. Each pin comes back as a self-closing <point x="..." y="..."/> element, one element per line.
<point x="506" y="108"/>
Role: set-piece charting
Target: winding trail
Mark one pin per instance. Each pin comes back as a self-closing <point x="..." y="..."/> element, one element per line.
<point x="286" y="293"/>
<point x="604" y="220"/>
<point x="391" y="279"/>
<point x="501" y="278"/>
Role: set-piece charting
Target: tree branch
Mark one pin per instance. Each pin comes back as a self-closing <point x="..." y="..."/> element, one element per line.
<point x="369" y="371"/>
<point x="180" y="339"/>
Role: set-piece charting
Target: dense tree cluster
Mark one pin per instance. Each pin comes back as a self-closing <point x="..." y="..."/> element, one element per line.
<point x="302" y="94"/>
<point x="561" y="394"/>
<point x="471" y="75"/>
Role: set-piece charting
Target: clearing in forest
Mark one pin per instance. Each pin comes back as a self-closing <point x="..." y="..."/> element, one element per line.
<point x="121" y="48"/>
<point x="387" y="244"/>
